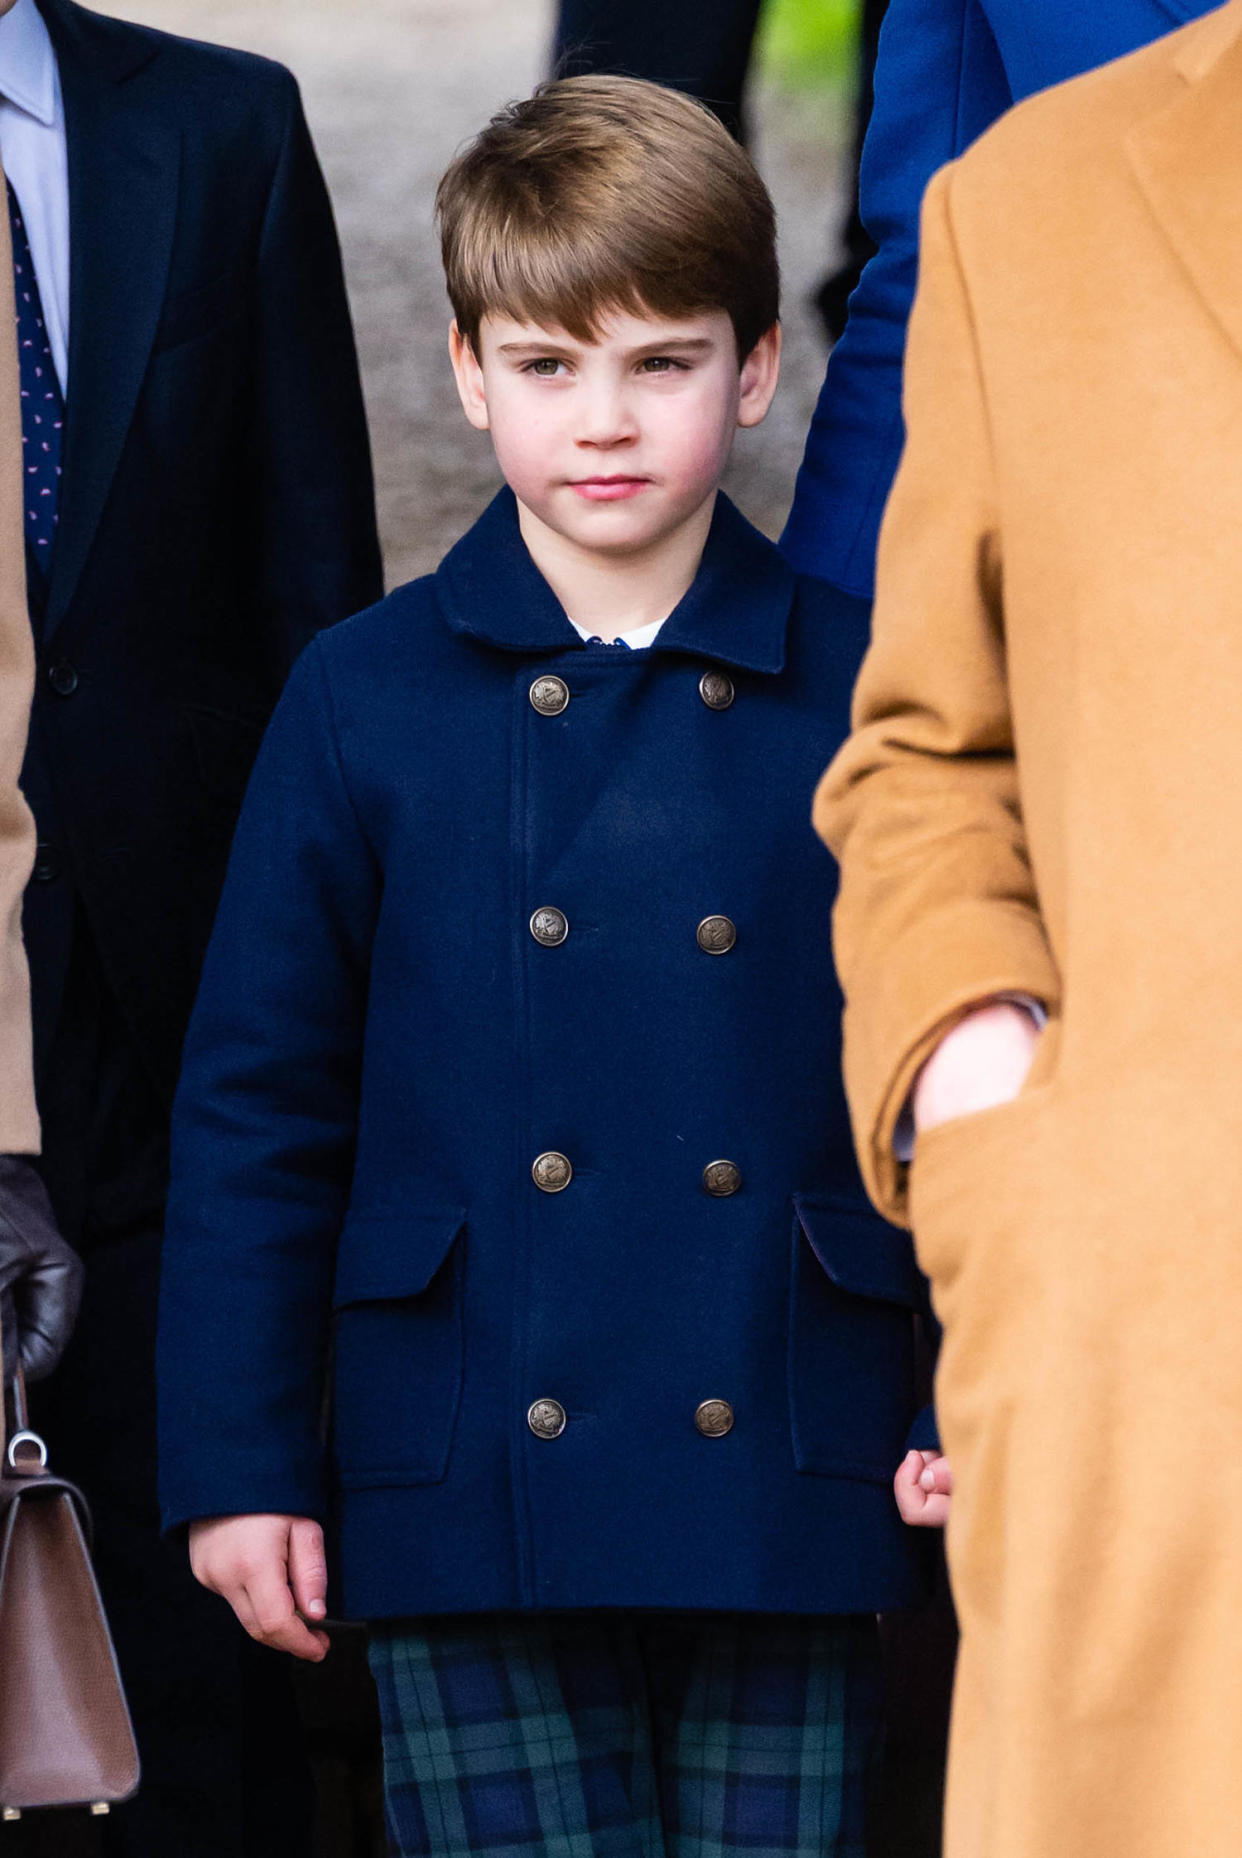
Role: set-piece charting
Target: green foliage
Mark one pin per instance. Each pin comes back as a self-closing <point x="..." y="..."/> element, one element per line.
<point x="809" y="44"/>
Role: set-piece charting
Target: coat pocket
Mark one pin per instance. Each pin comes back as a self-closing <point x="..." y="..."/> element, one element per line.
<point x="854" y="1291"/>
<point x="399" y="1347"/>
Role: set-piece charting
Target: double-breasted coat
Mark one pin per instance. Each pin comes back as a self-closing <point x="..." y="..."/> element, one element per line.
<point x="513" y="1086"/>
<point x="1042" y="795"/>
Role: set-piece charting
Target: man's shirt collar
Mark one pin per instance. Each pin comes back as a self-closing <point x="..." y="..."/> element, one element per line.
<point x="28" y="76"/>
<point x="736" y="611"/>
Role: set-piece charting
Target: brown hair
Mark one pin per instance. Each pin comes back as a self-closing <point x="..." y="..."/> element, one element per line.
<point x="607" y="193"/>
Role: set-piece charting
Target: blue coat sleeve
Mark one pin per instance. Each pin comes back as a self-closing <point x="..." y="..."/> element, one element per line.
<point x="939" y="82"/>
<point x="264" y="1131"/>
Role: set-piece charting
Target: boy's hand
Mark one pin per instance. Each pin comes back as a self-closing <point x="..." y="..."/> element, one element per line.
<point x="923" y="1486"/>
<point x="273" y="1573"/>
<point x="980" y="1062"/>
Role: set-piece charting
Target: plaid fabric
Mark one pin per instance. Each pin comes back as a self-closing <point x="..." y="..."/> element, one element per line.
<point x="626" y="1735"/>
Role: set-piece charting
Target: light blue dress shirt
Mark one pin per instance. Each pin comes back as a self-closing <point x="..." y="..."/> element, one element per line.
<point x="36" y="160"/>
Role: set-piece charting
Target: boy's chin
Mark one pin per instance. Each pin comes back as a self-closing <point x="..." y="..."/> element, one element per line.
<point x="616" y="529"/>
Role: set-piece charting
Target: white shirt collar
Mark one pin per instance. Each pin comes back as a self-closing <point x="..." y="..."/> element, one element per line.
<point x="637" y="638"/>
<point x="28" y="75"/>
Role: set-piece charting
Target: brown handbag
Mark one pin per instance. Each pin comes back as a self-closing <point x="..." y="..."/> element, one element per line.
<point x="65" y="1734"/>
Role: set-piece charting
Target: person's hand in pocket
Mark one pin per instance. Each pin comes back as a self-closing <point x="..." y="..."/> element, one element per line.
<point x="981" y="1061"/>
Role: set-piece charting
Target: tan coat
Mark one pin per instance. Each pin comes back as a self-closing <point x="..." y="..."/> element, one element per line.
<point x="1044" y="792"/>
<point x="19" y="1124"/>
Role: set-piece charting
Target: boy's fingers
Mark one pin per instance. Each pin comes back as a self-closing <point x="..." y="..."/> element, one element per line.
<point x="267" y="1589"/>
<point x="911" y="1500"/>
<point x="935" y="1513"/>
<point x="308" y="1569"/>
<point x="937" y="1476"/>
<point x="274" y="1622"/>
<point x="910" y="1506"/>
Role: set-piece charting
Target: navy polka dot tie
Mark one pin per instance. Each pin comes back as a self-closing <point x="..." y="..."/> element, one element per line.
<point x="43" y="410"/>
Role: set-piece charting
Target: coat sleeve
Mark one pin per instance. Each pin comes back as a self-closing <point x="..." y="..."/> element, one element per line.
<point x="937" y="907"/>
<point x="939" y="83"/>
<point x="19" y="1123"/>
<point x="263" y="1133"/>
<point x="312" y="491"/>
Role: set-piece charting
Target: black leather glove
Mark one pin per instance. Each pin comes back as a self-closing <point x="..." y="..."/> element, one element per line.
<point x="40" y="1276"/>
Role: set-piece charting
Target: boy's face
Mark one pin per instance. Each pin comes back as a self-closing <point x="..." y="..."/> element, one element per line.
<point x="614" y="444"/>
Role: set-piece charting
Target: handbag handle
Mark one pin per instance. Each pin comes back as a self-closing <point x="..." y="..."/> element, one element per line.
<point x="24" y="1453"/>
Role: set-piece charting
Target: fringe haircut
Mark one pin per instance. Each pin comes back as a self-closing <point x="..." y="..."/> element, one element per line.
<point x="602" y="194"/>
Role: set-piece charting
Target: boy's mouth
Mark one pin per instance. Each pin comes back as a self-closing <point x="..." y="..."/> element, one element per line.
<point x="608" y="489"/>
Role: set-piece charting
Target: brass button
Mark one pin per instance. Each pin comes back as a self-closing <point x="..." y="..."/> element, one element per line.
<point x="547" y="1419"/>
<point x="722" y="1178"/>
<point x="713" y="1419"/>
<point x="549" y="695"/>
<point x="551" y="1172"/>
<point x="716" y="690"/>
<point x="549" y="927"/>
<point x="716" y="935"/>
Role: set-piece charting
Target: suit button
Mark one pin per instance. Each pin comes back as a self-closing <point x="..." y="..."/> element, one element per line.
<point x="549" y="695"/>
<point x="551" y="1172"/>
<point x="549" y="927"/>
<point x="714" y="1418"/>
<point x="722" y="1178"/>
<point x="62" y="677"/>
<point x="547" y="1419"/>
<point x="716" y="935"/>
<point x="716" y="690"/>
<point x="47" y="864"/>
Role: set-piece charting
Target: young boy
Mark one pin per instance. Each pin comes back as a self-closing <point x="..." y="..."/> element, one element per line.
<point x="512" y="1098"/>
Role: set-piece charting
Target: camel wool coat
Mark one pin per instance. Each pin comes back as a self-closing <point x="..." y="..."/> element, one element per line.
<point x="19" y="1122"/>
<point x="1043" y="793"/>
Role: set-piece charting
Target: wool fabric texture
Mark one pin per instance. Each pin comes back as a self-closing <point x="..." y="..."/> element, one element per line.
<point x="507" y="1166"/>
<point x="1041" y="796"/>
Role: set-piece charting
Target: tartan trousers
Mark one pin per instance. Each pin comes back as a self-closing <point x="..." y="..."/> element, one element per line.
<point x="626" y="1735"/>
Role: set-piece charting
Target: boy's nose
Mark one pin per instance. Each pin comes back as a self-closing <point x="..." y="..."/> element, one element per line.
<point x="606" y="419"/>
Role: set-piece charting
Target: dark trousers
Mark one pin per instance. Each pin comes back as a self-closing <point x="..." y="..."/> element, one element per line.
<point x="224" y="1775"/>
<point x="699" y="46"/>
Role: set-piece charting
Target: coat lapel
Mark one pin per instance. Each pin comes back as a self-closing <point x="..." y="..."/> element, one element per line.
<point x="1188" y="160"/>
<point x="123" y="179"/>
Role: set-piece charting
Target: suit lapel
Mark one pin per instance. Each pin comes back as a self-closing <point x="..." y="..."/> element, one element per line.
<point x="123" y="179"/>
<point x="1188" y="161"/>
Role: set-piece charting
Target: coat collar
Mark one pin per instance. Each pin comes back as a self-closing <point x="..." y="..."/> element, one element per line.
<point x="124" y="168"/>
<point x="1188" y="158"/>
<point x="736" y="611"/>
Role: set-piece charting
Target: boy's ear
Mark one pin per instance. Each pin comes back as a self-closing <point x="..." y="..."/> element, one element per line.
<point x="469" y="377"/>
<point x="760" y="373"/>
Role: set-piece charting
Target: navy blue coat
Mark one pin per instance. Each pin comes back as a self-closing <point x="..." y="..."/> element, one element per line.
<point x="946" y="70"/>
<point x="216" y="509"/>
<point x="381" y="1050"/>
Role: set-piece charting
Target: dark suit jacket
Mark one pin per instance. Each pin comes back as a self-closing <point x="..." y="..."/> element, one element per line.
<point x="946" y="70"/>
<point x="700" y="46"/>
<point x="217" y="504"/>
<point x="382" y="1048"/>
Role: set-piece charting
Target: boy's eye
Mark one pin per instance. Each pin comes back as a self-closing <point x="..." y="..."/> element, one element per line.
<point x="661" y="364"/>
<point x="544" y="365"/>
